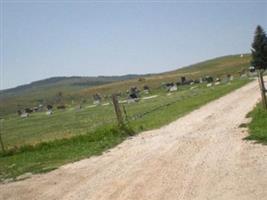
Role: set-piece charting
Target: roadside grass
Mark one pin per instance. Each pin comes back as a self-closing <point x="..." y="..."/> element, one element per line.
<point x="181" y="106"/>
<point x="50" y="155"/>
<point x="258" y="125"/>
<point x="45" y="156"/>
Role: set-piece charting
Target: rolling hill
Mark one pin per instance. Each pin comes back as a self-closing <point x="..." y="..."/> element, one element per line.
<point x="217" y="67"/>
<point x="80" y="88"/>
<point x="43" y="91"/>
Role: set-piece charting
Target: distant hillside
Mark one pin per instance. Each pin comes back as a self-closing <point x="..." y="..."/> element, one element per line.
<point x="78" y="88"/>
<point x="217" y="67"/>
<point x="45" y="90"/>
<point x="68" y="83"/>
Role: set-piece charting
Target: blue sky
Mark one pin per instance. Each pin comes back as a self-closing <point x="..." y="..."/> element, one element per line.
<point x="41" y="39"/>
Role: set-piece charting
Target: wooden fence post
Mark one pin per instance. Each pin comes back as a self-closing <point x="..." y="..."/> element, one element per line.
<point x="117" y="109"/>
<point x="125" y="113"/>
<point x="2" y="143"/>
<point x="263" y="90"/>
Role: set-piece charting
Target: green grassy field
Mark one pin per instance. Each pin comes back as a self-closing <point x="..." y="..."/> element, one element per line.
<point x="39" y="127"/>
<point x="90" y="131"/>
<point x="258" y="125"/>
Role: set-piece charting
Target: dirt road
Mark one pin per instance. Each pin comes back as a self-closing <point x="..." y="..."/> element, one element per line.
<point x="199" y="156"/>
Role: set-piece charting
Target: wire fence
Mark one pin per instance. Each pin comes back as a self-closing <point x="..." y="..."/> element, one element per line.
<point x="90" y="118"/>
<point x="161" y="106"/>
<point x="41" y="128"/>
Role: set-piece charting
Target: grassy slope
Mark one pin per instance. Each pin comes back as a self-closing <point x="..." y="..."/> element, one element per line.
<point x="45" y="91"/>
<point x="47" y="156"/>
<point x="216" y="67"/>
<point x="258" y="125"/>
<point x="39" y="127"/>
<point x="219" y="66"/>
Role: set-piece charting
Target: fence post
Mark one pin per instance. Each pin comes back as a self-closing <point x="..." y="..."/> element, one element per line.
<point x="2" y="143"/>
<point x="263" y="90"/>
<point x="117" y="109"/>
<point x="125" y="113"/>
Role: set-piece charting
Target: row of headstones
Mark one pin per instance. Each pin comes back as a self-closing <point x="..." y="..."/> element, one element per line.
<point x="171" y="87"/>
<point x="24" y="113"/>
<point x="134" y="92"/>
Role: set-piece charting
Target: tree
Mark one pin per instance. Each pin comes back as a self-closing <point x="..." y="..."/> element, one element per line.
<point x="259" y="59"/>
